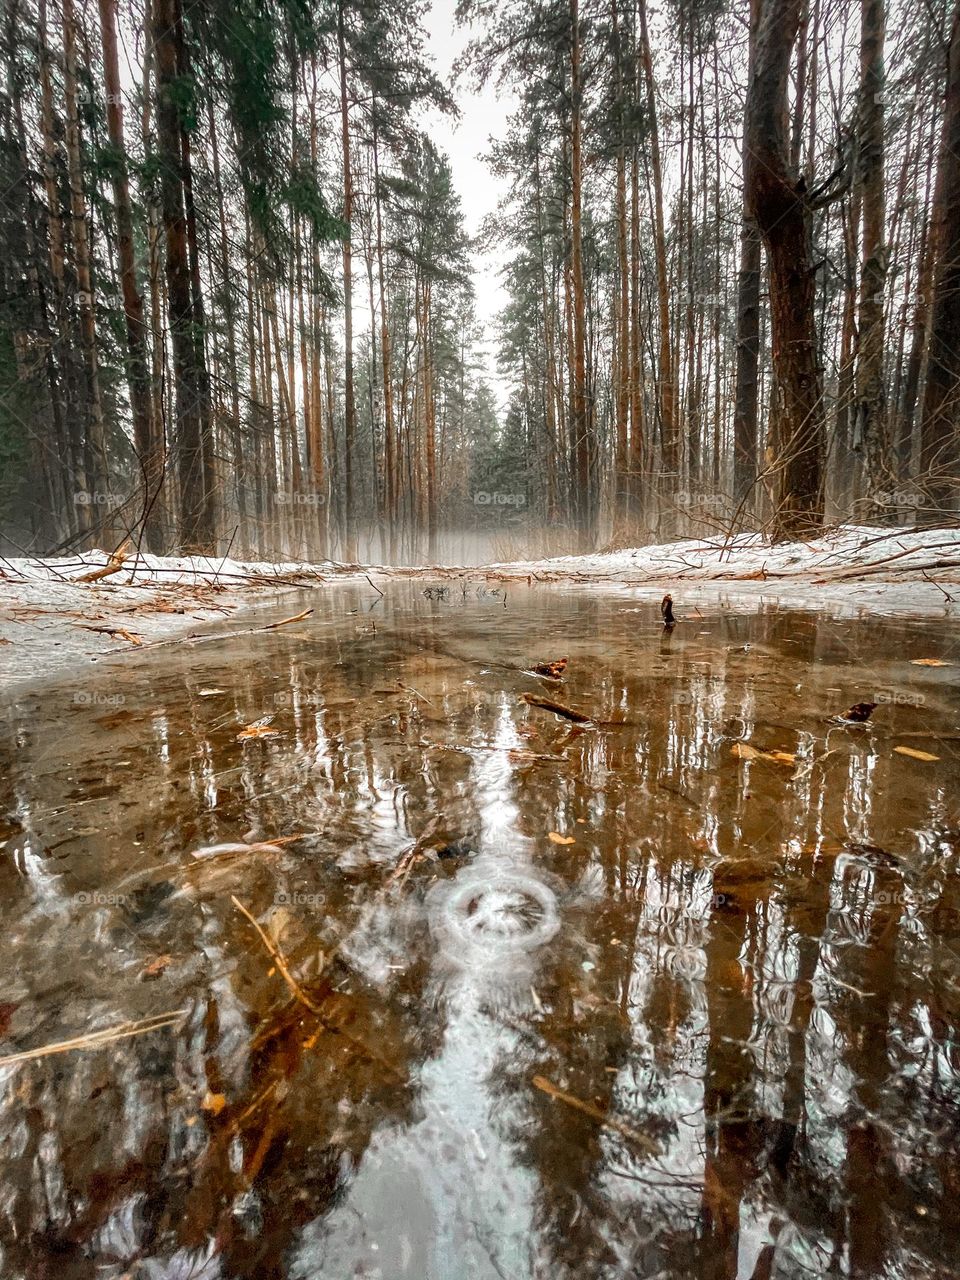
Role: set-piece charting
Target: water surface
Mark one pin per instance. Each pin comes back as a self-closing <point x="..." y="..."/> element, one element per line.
<point x="599" y="1001"/>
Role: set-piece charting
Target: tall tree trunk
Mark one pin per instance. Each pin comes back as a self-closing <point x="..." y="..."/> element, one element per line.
<point x="138" y="366"/>
<point x="666" y="386"/>
<point x="872" y="429"/>
<point x="777" y="199"/>
<point x="580" y="416"/>
<point x="621" y="382"/>
<point x="939" y="453"/>
<point x="96" y="434"/>
<point x="230" y="323"/>
<point x="196" y="533"/>
<point x="746" y="377"/>
<point x="349" y="404"/>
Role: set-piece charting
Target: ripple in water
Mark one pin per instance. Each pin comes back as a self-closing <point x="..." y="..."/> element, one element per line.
<point x="492" y="918"/>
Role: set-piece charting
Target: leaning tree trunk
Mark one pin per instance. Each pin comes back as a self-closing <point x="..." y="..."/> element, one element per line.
<point x="776" y="198"/>
<point x="940" y="420"/>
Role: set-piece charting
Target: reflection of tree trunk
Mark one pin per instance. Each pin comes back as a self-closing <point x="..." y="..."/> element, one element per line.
<point x="868" y="1146"/>
<point x="733" y="1136"/>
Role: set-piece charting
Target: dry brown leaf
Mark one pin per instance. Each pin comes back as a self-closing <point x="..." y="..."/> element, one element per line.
<point x="744" y="751"/>
<point x="214" y="1103"/>
<point x="929" y="662"/>
<point x="155" y="968"/>
<point x="914" y="754"/>
<point x="257" y="731"/>
<point x="556" y="838"/>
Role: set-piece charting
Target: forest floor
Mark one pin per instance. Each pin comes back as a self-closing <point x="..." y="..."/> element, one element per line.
<point x="64" y="612"/>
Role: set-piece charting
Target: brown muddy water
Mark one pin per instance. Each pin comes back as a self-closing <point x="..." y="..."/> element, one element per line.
<point x="606" y="1000"/>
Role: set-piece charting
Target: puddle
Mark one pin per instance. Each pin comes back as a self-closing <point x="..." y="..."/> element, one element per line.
<point x="603" y="1000"/>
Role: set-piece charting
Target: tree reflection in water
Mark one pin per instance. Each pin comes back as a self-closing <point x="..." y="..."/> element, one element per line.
<point x="754" y="978"/>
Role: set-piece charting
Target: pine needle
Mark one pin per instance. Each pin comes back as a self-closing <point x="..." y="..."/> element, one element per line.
<point x="95" y="1039"/>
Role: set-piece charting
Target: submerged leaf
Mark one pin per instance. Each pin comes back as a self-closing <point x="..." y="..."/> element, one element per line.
<point x="915" y="754"/>
<point x="744" y="751"/>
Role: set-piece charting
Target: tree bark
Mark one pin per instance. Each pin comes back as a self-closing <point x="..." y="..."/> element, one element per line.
<point x="580" y="416"/>
<point x="939" y="454"/>
<point x="872" y="429"/>
<point x="746" y="377"/>
<point x="196" y="533"/>
<point x="666" y="387"/>
<point x="98" y="470"/>
<point x="777" y="199"/>
<point x="138" y="367"/>
<point x="349" y="403"/>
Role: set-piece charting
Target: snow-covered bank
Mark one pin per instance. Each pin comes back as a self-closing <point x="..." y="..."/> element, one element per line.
<point x="60" y="613"/>
<point x="64" y="612"/>
<point x="887" y="571"/>
<point x="853" y="551"/>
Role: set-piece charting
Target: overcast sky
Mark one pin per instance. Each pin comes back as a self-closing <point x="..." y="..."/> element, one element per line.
<point x="482" y="116"/>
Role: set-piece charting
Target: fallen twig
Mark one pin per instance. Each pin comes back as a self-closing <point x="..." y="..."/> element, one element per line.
<point x="95" y="1039"/>
<point x="281" y="963"/>
<point x="558" y="709"/>
<point x="297" y="617"/>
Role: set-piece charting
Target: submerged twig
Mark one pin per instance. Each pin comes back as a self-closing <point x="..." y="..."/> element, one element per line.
<point x="280" y="961"/>
<point x="94" y="1039"/>
<point x="558" y="709"/>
